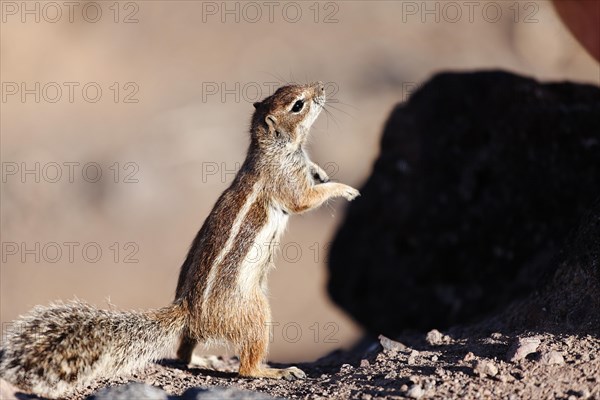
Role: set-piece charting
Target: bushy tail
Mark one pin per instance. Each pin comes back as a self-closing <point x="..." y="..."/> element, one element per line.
<point x="54" y="350"/>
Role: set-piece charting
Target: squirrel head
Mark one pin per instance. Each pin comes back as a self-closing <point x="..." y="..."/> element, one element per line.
<point x="283" y="120"/>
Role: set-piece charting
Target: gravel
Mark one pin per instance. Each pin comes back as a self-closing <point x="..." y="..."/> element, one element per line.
<point x="371" y="372"/>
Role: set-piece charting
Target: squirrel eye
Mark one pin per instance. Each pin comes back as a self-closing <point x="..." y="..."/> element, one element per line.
<point x="277" y="133"/>
<point x="298" y="106"/>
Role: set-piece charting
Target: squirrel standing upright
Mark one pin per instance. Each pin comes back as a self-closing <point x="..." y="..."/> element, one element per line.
<point x="221" y="291"/>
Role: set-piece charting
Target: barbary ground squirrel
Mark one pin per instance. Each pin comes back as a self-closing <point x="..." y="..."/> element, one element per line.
<point x="221" y="292"/>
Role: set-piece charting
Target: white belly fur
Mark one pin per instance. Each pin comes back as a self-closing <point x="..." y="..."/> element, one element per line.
<point x="257" y="262"/>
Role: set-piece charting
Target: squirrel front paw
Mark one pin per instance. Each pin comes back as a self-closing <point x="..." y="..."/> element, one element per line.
<point x="350" y="193"/>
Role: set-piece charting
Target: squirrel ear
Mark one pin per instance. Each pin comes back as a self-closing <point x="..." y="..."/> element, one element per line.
<point x="257" y="104"/>
<point x="271" y="121"/>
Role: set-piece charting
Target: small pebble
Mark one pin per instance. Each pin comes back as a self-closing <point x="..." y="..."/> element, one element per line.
<point x="434" y="358"/>
<point x="469" y="357"/>
<point x="391" y="375"/>
<point x="415" y="392"/>
<point x="391" y="345"/>
<point x="346" y="368"/>
<point x="364" y="363"/>
<point x="485" y="368"/>
<point x="552" y="357"/>
<point x="430" y="384"/>
<point x="412" y="358"/>
<point x="521" y="348"/>
<point x="434" y="338"/>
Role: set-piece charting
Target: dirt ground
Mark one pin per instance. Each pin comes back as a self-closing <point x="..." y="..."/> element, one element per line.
<point x="466" y="364"/>
<point x="475" y="362"/>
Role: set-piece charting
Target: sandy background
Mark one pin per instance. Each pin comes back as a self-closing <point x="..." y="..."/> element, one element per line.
<point x="176" y="147"/>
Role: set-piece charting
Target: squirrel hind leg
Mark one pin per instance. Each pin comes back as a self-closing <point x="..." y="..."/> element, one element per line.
<point x="186" y="348"/>
<point x="251" y="357"/>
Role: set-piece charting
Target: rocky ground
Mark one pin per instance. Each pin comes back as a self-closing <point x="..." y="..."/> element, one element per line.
<point x="461" y="363"/>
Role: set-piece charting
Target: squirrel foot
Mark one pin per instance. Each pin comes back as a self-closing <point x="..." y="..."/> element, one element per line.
<point x="289" y="374"/>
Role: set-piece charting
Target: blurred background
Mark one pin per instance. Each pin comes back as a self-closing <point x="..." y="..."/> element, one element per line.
<point x="122" y="122"/>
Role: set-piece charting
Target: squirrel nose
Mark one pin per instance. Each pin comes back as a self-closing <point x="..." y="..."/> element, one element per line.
<point x="320" y="87"/>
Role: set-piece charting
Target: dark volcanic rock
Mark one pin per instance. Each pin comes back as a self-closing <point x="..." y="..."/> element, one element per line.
<point x="572" y="298"/>
<point x="480" y="180"/>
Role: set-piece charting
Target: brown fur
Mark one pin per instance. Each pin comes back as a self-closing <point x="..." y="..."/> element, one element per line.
<point x="221" y="291"/>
